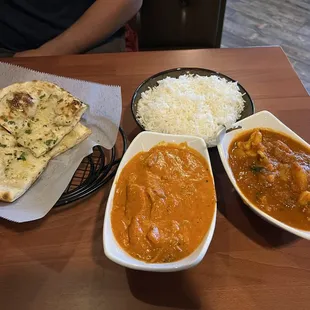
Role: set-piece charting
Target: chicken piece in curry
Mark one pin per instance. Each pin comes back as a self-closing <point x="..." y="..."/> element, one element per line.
<point x="273" y="172"/>
<point x="164" y="203"/>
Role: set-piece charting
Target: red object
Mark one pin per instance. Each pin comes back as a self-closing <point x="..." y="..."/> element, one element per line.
<point x="131" y="38"/>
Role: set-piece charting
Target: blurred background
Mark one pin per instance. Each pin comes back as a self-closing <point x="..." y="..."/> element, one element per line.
<point x="271" y="22"/>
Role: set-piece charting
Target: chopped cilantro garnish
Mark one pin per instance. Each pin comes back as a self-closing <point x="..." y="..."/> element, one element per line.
<point x="22" y="156"/>
<point x="2" y="145"/>
<point x="11" y="122"/>
<point x="42" y="96"/>
<point x="256" y="169"/>
<point x="49" y="142"/>
<point x="28" y="131"/>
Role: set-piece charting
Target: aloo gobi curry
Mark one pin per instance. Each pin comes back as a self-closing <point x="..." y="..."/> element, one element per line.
<point x="164" y="203"/>
<point x="273" y="172"/>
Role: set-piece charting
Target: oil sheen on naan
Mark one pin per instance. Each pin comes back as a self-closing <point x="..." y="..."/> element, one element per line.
<point x="19" y="168"/>
<point x="39" y="114"/>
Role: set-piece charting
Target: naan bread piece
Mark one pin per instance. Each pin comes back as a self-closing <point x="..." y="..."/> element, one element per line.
<point x="76" y="136"/>
<point x="39" y="114"/>
<point x="19" y="169"/>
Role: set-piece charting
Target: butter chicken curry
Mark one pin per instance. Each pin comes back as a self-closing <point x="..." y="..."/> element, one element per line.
<point x="164" y="203"/>
<point x="273" y="172"/>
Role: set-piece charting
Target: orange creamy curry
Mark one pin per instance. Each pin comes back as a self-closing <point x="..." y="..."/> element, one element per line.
<point x="273" y="172"/>
<point x="164" y="203"/>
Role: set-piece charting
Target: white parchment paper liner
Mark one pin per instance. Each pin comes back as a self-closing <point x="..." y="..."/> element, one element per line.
<point x="103" y="117"/>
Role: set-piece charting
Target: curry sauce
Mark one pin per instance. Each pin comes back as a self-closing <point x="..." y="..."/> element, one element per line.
<point x="273" y="172"/>
<point x="164" y="203"/>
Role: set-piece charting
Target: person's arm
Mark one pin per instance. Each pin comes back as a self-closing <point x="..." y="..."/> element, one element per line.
<point x="100" y="21"/>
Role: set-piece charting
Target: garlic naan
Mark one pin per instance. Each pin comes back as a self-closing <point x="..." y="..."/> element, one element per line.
<point x="39" y="114"/>
<point x="19" y="169"/>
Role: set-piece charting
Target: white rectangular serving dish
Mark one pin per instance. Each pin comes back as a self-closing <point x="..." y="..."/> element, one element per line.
<point x="259" y="120"/>
<point x="143" y="142"/>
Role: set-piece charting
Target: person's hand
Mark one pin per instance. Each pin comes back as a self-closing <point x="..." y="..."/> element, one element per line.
<point x="50" y="48"/>
<point x="30" y="53"/>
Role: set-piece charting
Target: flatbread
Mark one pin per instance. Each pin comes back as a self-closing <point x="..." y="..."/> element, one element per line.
<point x="76" y="136"/>
<point x="39" y="114"/>
<point x="19" y="168"/>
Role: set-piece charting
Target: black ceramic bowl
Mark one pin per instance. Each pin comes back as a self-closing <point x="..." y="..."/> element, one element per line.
<point x="248" y="110"/>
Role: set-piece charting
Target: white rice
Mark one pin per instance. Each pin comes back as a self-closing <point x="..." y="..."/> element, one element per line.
<point x="192" y="105"/>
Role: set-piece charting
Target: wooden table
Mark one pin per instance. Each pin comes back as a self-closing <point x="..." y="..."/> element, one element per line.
<point x="58" y="262"/>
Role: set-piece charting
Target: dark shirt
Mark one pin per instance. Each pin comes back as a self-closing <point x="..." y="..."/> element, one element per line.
<point x="27" y="24"/>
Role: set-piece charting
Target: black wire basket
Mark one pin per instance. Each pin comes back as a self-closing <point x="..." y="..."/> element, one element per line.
<point x="94" y="171"/>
